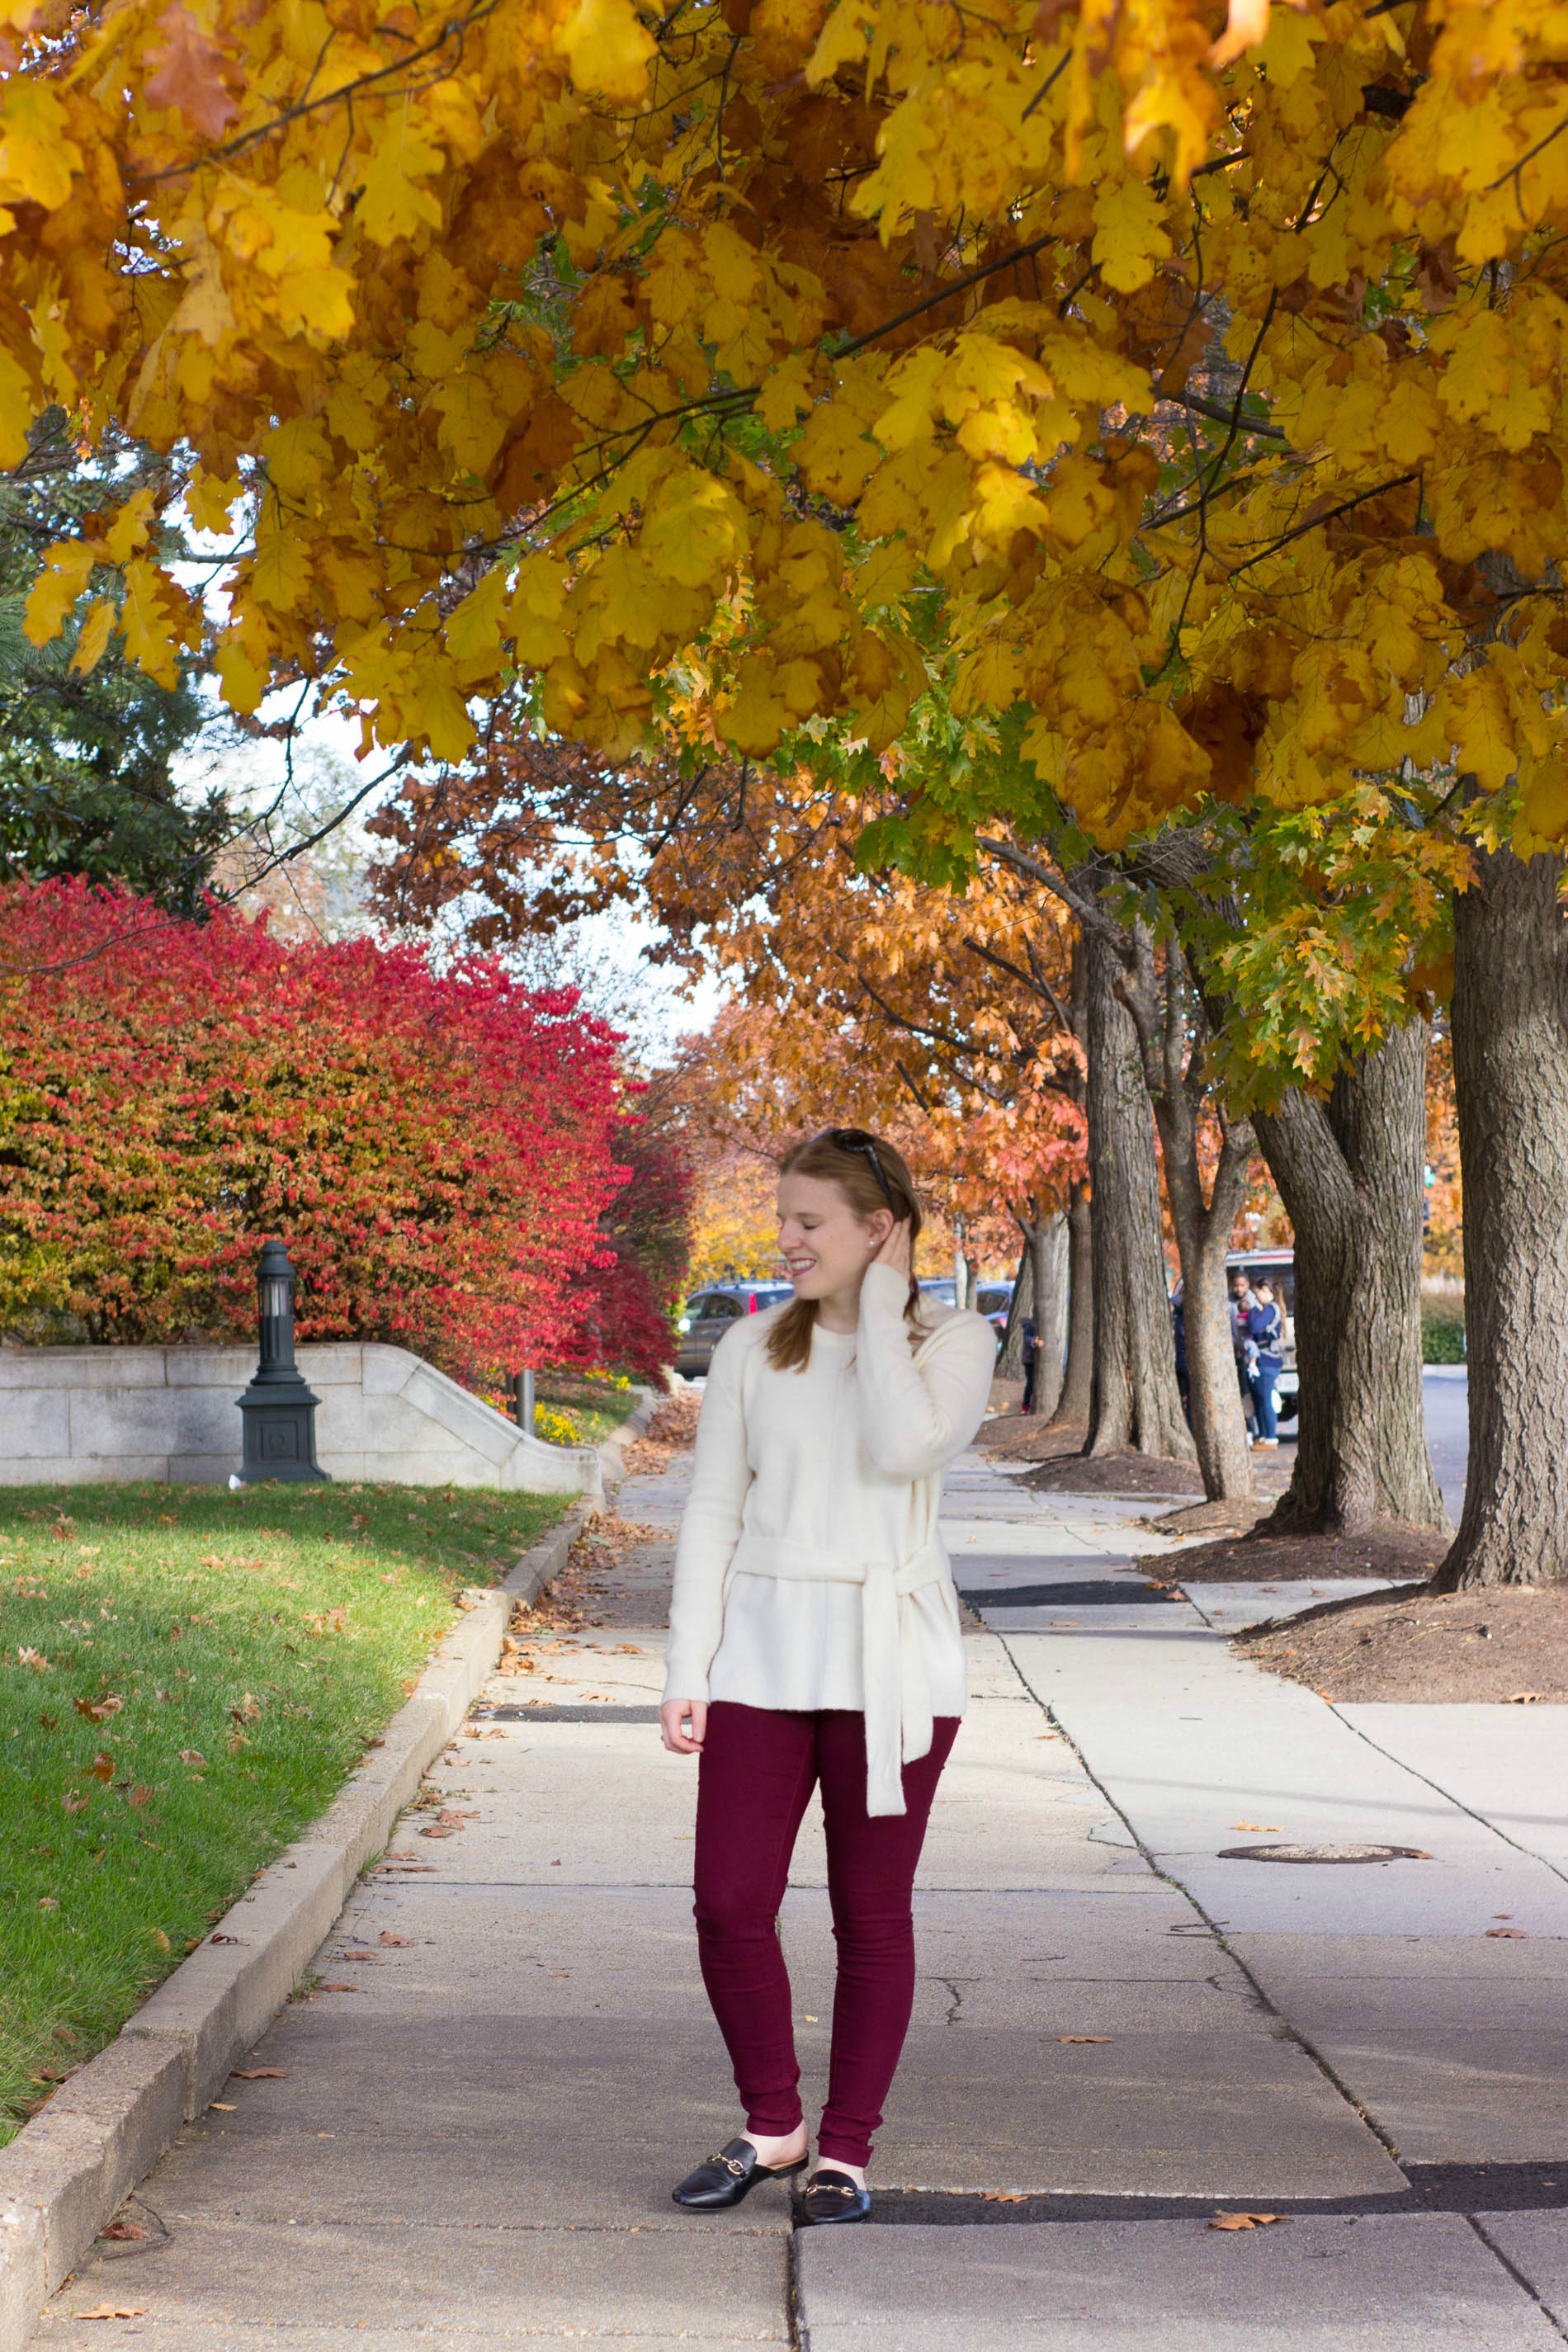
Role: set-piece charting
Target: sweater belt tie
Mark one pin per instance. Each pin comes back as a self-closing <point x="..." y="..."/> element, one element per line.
<point x="898" y="1723"/>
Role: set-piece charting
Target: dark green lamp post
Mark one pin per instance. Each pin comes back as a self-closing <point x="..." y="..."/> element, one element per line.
<point x="277" y="1410"/>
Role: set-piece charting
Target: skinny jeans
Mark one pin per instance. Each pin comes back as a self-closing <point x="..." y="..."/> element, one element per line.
<point x="1264" y="1384"/>
<point x="758" y="1768"/>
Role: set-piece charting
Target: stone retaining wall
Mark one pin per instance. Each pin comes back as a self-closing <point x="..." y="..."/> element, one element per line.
<point x="81" y="1415"/>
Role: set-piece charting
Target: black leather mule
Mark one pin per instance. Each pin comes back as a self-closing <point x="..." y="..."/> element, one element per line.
<point x="831" y="2196"/>
<point x="728" y="2177"/>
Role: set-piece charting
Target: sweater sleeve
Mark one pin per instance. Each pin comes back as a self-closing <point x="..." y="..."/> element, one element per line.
<point x="710" y="1525"/>
<point x="915" y="1417"/>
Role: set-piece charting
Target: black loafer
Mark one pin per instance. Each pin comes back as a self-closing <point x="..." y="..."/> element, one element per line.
<point x="728" y="2177"/>
<point x="831" y="2196"/>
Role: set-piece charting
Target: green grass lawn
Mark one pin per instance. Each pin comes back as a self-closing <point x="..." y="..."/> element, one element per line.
<point x="186" y="1678"/>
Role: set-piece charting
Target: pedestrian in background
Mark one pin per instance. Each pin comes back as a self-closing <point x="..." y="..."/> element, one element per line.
<point x="1179" y="1337"/>
<point x="1266" y="1333"/>
<point x="1031" y="1355"/>
<point x="1243" y="1299"/>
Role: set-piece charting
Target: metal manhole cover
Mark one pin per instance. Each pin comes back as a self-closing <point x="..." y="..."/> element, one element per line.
<point x="1323" y="1854"/>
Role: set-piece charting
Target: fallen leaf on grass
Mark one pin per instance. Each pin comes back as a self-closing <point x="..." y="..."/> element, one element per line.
<point x="98" y="1710"/>
<point x="122" y="2230"/>
<point x="1257" y="1825"/>
<point x="160" y="1939"/>
<point x="34" y="1658"/>
<point x="102" y="1766"/>
<point x="193" y="1758"/>
<point x="260" y="2073"/>
<point x="1244" y="2221"/>
<point x="73" y="1800"/>
<point x="1086" y="2037"/>
<point x="1514" y="1935"/>
<point x="116" y="2311"/>
<point x="140" y="1796"/>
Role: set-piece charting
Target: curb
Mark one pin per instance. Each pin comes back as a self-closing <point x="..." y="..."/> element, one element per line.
<point x="66" y="2173"/>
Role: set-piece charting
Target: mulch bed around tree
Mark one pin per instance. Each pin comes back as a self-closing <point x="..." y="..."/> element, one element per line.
<point x="1134" y="1474"/>
<point x="1261" y="1557"/>
<point x="1506" y="1645"/>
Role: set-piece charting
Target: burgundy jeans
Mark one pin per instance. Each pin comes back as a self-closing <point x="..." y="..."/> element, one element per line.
<point x="758" y="1768"/>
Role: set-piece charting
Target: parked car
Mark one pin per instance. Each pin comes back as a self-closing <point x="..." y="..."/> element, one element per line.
<point x="941" y="1287"/>
<point x="708" y="1315"/>
<point x="994" y="1300"/>
<point x="1279" y="1267"/>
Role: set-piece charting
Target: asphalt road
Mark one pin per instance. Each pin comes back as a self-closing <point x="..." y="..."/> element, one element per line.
<point x="1447" y="1390"/>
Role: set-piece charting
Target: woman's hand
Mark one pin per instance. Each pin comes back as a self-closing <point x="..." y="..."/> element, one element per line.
<point x="672" y="1714"/>
<point x="894" y="1248"/>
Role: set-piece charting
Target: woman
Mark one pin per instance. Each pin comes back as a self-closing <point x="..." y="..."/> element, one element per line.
<point x="1264" y="1334"/>
<point x="814" y="1641"/>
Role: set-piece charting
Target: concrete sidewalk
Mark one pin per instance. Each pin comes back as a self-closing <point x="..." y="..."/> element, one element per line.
<point x="508" y="2057"/>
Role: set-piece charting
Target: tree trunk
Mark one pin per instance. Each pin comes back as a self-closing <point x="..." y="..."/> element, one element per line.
<point x="1077" y="1382"/>
<point x="1136" y="1402"/>
<point x="1350" y="1173"/>
<point x="1511" y="1078"/>
<point x="1048" y="1250"/>
<point x="1173" y="1033"/>
<point x="1010" y="1363"/>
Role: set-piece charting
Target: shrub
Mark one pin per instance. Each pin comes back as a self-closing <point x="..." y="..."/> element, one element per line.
<point x="436" y="1147"/>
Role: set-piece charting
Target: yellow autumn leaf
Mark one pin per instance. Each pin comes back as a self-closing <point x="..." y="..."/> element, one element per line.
<point x="475" y="628"/>
<point x="18" y="405"/>
<point x="608" y="49"/>
<point x="280" y="573"/>
<point x="393" y="202"/>
<point x="210" y="502"/>
<point x="1477" y="713"/>
<point x="67" y="566"/>
<point x="693" y="527"/>
<point x="1130" y="238"/>
<point x="149" y="637"/>
<point x="38" y="158"/>
<point x="130" y="529"/>
<point x="243" y="683"/>
<point x="93" y="636"/>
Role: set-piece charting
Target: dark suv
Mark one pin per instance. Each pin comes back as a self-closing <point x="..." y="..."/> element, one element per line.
<point x="708" y="1315"/>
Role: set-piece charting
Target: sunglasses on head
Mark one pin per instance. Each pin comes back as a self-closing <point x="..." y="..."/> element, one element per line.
<point x="855" y="1138"/>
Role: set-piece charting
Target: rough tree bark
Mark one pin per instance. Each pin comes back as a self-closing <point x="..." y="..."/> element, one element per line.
<point x="1050" y="1253"/>
<point x="1010" y="1361"/>
<point x="1349" y="1172"/>
<point x="1136" y="1402"/>
<point x="1511" y="1078"/>
<point x="1173" y="1033"/>
<point x="1077" y="1381"/>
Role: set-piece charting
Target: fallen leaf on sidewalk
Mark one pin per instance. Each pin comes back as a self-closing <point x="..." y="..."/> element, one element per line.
<point x="1257" y="1825"/>
<point x="117" y="2230"/>
<point x="1517" y="1935"/>
<point x="222" y="2106"/>
<point x="337" y="1988"/>
<point x="1244" y="2221"/>
<point x="1523" y="1698"/>
<point x="226" y="1939"/>
<point x="115" y="2311"/>
<point x="436" y="1830"/>
<point x="386" y="1937"/>
<point x="357" y="1955"/>
<point x="625" y="1649"/>
<point x="260" y="2074"/>
<point x="1086" y="2037"/>
<point x="1001" y="2197"/>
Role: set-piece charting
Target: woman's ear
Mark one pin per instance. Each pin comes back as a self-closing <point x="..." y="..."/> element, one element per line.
<point x="878" y="1225"/>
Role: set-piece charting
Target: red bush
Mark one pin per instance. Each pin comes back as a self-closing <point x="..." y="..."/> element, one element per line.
<point x="435" y="1148"/>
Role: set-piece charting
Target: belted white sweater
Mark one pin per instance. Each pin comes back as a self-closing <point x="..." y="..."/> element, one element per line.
<point x="810" y="1570"/>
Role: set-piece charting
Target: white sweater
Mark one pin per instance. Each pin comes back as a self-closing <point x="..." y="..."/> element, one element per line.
<point x="810" y="1572"/>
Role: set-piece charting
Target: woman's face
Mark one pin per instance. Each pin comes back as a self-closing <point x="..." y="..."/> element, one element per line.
<point x="826" y="1244"/>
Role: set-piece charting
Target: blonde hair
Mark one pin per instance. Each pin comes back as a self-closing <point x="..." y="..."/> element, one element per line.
<point x="852" y="1168"/>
